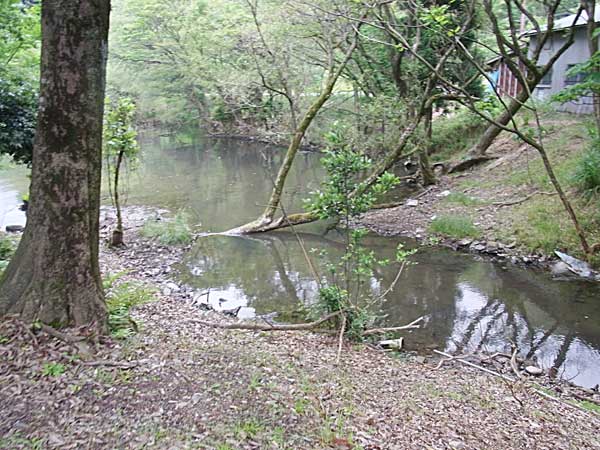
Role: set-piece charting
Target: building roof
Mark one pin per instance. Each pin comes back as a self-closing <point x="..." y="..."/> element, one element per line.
<point x="567" y="22"/>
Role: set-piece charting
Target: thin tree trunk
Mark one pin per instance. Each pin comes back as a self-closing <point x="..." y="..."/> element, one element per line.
<point x="307" y="217"/>
<point x="117" y="235"/>
<point x="427" y="175"/>
<point x="54" y="276"/>
<point x="267" y="217"/>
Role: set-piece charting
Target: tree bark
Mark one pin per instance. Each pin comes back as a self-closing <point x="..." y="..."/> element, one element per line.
<point x="54" y="276"/>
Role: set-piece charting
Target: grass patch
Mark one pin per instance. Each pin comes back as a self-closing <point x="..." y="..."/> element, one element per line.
<point x="169" y="232"/>
<point x="590" y="406"/>
<point x="454" y="226"/>
<point x="541" y="224"/>
<point x="463" y="199"/>
<point x="586" y="175"/>
<point x="119" y="300"/>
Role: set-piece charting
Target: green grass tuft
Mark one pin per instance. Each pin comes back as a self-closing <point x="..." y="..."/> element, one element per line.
<point x="119" y="300"/>
<point x="454" y="226"/>
<point x="463" y="199"/>
<point x="586" y="175"/>
<point x="169" y="232"/>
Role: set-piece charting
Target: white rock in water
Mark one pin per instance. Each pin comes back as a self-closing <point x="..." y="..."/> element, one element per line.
<point x="412" y="202"/>
<point x="533" y="370"/>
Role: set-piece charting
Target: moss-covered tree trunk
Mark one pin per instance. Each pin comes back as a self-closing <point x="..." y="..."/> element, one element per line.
<point x="54" y="276"/>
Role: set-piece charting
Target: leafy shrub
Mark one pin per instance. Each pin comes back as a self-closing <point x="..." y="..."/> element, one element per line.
<point x="119" y="300"/>
<point x="344" y="198"/>
<point x="169" y="232"/>
<point x="454" y="226"/>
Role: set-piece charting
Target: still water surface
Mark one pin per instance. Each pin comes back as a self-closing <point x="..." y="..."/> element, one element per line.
<point x="471" y="304"/>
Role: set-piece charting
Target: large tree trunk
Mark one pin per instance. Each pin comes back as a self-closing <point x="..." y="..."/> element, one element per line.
<point x="54" y="276"/>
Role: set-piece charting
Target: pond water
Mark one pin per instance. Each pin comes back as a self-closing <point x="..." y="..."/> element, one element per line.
<point x="14" y="184"/>
<point x="470" y="304"/>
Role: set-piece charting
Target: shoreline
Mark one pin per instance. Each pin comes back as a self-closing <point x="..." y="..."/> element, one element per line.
<point x="160" y="388"/>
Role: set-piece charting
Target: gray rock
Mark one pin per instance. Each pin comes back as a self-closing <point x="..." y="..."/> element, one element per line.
<point x="173" y="286"/>
<point x="492" y="246"/>
<point x="479" y="247"/>
<point x="534" y="370"/>
<point x="412" y="202"/>
<point x="577" y="266"/>
<point x="560" y="268"/>
<point x="465" y="242"/>
<point x="14" y="228"/>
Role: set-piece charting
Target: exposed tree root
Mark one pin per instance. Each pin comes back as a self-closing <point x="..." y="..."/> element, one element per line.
<point x="522" y="200"/>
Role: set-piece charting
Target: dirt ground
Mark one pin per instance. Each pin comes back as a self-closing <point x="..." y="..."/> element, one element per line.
<point x="178" y="384"/>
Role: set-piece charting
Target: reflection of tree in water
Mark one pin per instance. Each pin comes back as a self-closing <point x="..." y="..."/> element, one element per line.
<point x="472" y="306"/>
<point x="526" y="309"/>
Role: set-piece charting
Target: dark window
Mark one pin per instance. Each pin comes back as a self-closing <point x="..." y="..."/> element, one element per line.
<point x="575" y="78"/>
<point x="547" y="79"/>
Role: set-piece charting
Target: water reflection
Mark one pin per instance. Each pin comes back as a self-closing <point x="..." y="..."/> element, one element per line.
<point x="471" y="305"/>
<point x="221" y="183"/>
